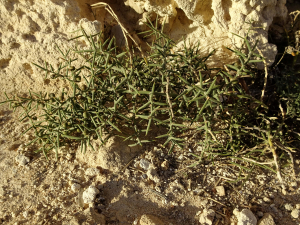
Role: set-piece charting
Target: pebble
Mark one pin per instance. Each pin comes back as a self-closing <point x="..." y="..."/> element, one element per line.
<point x="288" y="207"/>
<point x="22" y="160"/>
<point x="165" y="165"/>
<point x="75" y="187"/>
<point x="152" y="174"/>
<point x="145" y="164"/>
<point x="69" y="156"/>
<point x="91" y="172"/>
<point x="266" y="199"/>
<point x="245" y="217"/>
<point x="180" y="157"/>
<point x="295" y="213"/>
<point x="266" y="220"/>
<point x="220" y="190"/>
<point x="207" y="216"/>
<point x="25" y="214"/>
<point x="89" y="194"/>
<point x="284" y="191"/>
<point x="294" y="184"/>
<point x="297" y="206"/>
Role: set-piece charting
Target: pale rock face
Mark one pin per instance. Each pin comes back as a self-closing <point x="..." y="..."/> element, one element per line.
<point x="212" y="22"/>
<point x="29" y="30"/>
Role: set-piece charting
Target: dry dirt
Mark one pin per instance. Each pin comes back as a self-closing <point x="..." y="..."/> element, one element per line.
<point x="40" y="192"/>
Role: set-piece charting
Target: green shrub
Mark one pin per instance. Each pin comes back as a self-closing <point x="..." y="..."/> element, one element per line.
<point x="129" y="96"/>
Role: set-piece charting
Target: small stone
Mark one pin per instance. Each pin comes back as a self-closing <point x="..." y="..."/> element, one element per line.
<point x="245" y="217"/>
<point x="22" y="160"/>
<point x="266" y="199"/>
<point x="180" y="157"/>
<point x="288" y="207"/>
<point x="295" y="213"/>
<point x="297" y="206"/>
<point x="25" y="214"/>
<point x="294" y="184"/>
<point x="207" y="217"/>
<point x="152" y="174"/>
<point x="135" y="222"/>
<point x="220" y="190"/>
<point x="145" y="164"/>
<point x="260" y="214"/>
<point x="266" y="220"/>
<point x="89" y="194"/>
<point x="284" y="191"/>
<point x="69" y="156"/>
<point x="91" y="172"/>
<point x="165" y="165"/>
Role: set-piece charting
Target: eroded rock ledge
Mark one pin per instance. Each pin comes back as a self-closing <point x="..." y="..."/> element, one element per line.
<point x="30" y="29"/>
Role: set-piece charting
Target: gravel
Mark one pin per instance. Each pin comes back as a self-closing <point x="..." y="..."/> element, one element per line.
<point x="89" y="194"/>
<point x="207" y="217"/>
<point x="295" y="213"/>
<point x="22" y="160"/>
<point x="245" y="217"/>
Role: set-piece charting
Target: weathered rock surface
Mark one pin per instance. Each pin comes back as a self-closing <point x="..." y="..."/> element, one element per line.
<point x="89" y="194"/>
<point x="207" y="217"/>
<point x="213" y="22"/>
<point x="22" y="160"/>
<point x="31" y="29"/>
<point x="29" y="32"/>
<point x="266" y="220"/>
<point x="245" y="217"/>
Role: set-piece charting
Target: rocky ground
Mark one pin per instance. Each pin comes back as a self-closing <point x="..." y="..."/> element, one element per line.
<point x="146" y="187"/>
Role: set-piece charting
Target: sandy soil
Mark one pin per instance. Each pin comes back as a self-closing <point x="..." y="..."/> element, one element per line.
<point x="40" y="192"/>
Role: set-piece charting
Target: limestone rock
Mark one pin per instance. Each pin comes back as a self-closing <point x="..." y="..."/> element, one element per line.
<point x="213" y="22"/>
<point x="29" y="33"/>
<point x="288" y="207"/>
<point x="266" y="220"/>
<point x="22" y="160"/>
<point x="89" y="194"/>
<point x="295" y="213"/>
<point x="145" y="164"/>
<point x="207" y="217"/>
<point x="150" y="220"/>
<point x="245" y="217"/>
<point x="220" y="190"/>
<point x="152" y="174"/>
